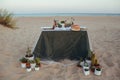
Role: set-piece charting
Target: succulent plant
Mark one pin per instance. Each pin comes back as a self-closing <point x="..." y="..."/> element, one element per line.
<point x="28" y="52"/>
<point x="62" y="21"/>
<point x="98" y="69"/>
<point x="32" y="61"/>
<point x="23" y="60"/>
<point x="37" y="60"/>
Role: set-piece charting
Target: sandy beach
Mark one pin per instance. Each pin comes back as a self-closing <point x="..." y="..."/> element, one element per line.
<point x="104" y="33"/>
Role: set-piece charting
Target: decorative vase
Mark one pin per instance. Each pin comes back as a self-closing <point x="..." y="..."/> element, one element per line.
<point x="32" y="65"/>
<point x="37" y="68"/>
<point x="86" y="71"/>
<point x="28" y="69"/>
<point x="98" y="71"/>
<point x="23" y="65"/>
<point x="63" y="25"/>
<point x="30" y="58"/>
<point x="86" y="65"/>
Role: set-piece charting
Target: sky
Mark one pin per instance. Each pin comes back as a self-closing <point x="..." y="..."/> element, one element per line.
<point x="61" y="6"/>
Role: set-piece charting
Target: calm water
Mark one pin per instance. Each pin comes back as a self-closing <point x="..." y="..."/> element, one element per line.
<point x="65" y="14"/>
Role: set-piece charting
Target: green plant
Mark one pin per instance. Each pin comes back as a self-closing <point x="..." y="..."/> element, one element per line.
<point x="32" y="61"/>
<point x="86" y="69"/>
<point x="6" y="19"/>
<point x="37" y="60"/>
<point x="28" y="52"/>
<point x="98" y="69"/>
<point x="90" y="53"/>
<point x="23" y="60"/>
<point x="62" y="21"/>
<point x="59" y="25"/>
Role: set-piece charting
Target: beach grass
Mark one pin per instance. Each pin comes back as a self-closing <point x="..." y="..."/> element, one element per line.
<point x="6" y="19"/>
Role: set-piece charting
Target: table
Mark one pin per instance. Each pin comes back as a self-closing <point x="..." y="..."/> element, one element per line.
<point x="57" y="45"/>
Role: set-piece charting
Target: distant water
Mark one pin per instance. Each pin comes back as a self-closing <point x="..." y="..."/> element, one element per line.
<point x="64" y="14"/>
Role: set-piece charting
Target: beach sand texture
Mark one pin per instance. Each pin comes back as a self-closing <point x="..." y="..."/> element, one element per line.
<point x="104" y="33"/>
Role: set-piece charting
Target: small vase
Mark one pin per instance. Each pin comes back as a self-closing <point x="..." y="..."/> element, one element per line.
<point x="63" y="25"/>
<point x="30" y="57"/>
<point x="28" y="69"/>
<point x="32" y="65"/>
<point x="98" y="72"/>
<point x="86" y="71"/>
<point x="23" y="65"/>
<point x="37" y="68"/>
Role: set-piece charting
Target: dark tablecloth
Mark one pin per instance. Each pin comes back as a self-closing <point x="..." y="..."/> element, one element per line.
<point x="57" y="45"/>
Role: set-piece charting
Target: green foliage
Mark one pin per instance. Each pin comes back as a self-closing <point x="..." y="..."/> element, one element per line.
<point x="59" y="25"/>
<point x="90" y="53"/>
<point x="62" y="21"/>
<point x="37" y="60"/>
<point x="6" y="19"/>
<point x="23" y="60"/>
<point x="32" y="61"/>
<point x="28" y="52"/>
<point x="98" y="69"/>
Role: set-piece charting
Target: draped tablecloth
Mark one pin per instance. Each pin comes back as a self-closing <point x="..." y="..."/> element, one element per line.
<point x="57" y="45"/>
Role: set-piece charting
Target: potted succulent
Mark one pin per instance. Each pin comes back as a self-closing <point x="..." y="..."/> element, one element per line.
<point x="28" y="66"/>
<point x="86" y="65"/>
<point x="29" y="55"/>
<point x="63" y="24"/>
<point x="37" y="67"/>
<point x="38" y="61"/>
<point x="98" y="71"/>
<point x="23" y="62"/>
<point x="86" y="71"/>
<point x="32" y="63"/>
<point x="59" y="25"/>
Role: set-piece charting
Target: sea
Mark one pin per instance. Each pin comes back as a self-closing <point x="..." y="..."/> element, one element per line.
<point x="64" y="14"/>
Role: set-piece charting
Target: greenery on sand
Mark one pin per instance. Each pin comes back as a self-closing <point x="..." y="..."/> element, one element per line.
<point x="6" y="19"/>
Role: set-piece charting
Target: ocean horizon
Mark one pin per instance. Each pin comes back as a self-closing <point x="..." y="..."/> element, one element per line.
<point x="64" y="14"/>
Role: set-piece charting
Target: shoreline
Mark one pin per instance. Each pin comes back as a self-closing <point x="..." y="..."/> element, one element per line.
<point x="64" y="14"/>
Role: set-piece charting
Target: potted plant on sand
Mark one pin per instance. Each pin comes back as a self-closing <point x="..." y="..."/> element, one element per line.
<point x="38" y="61"/>
<point x="98" y="71"/>
<point x="28" y="66"/>
<point x="37" y="67"/>
<point x="29" y="55"/>
<point x="86" y="71"/>
<point x="86" y="65"/>
<point x="63" y="25"/>
<point x="23" y="62"/>
<point x="32" y="63"/>
<point x="86" y="68"/>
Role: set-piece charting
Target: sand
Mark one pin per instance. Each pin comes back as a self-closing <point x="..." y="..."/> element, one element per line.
<point x="104" y="33"/>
